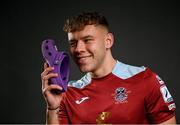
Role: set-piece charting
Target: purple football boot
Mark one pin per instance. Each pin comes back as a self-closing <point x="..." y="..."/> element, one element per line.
<point x="58" y="60"/>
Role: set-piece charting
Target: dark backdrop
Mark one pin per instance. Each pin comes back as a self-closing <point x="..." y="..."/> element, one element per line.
<point x="146" y="33"/>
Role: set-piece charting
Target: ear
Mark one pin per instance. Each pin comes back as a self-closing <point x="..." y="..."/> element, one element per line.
<point x="109" y="40"/>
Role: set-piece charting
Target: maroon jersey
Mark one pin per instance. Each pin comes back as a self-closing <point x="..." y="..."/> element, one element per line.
<point x="128" y="94"/>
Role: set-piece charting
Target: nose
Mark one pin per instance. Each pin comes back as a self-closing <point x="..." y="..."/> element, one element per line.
<point x="80" y="47"/>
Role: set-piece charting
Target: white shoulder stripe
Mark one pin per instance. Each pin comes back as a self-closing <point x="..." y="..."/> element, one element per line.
<point x="125" y="71"/>
<point x="81" y="83"/>
<point x="121" y="70"/>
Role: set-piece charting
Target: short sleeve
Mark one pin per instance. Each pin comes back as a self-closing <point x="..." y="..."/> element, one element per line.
<point x="160" y="105"/>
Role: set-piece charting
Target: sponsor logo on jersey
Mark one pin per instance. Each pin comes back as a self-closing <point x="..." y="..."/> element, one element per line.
<point x="172" y="106"/>
<point x="81" y="100"/>
<point x="160" y="80"/>
<point x="102" y="117"/>
<point x="121" y="95"/>
<point x="166" y="94"/>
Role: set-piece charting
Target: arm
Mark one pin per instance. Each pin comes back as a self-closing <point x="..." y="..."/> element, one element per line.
<point x="170" y="121"/>
<point x="52" y="116"/>
<point x="51" y="95"/>
<point x="160" y="104"/>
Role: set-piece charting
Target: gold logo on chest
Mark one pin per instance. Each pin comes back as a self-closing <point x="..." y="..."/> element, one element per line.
<point x="102" y="117"/>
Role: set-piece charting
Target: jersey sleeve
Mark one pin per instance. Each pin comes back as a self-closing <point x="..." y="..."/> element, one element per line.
<point x="63" y="117"/>
<point x="160" y="105"/>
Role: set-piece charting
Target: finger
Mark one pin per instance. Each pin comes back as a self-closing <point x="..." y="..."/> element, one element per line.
<point x="45" y="65"/>
<point x="56" y="91"/>
<point x="45" y="84"/>
<point x="46" y="71"/>
<point x="52" y="87"/>
<point x="45" y="79"/>
<point x="50" y="75"/>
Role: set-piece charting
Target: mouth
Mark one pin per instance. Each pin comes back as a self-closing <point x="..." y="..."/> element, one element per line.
<point x="83" y="59"/>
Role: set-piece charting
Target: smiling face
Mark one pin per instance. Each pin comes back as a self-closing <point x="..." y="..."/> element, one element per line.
<point x="90" y="47"/>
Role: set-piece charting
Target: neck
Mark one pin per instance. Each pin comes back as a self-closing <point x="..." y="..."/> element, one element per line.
<point x="105" y="68"/>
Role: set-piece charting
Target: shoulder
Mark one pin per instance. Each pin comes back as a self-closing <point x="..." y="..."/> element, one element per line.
<point x="125" y="71"/>
<point x="137" y="73"/>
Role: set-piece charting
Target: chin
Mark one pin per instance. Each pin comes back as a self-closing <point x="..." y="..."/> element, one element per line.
<point x="85" y="69"/>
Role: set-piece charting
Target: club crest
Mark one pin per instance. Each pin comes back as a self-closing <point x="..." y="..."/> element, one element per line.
<point x="121" y="95"/>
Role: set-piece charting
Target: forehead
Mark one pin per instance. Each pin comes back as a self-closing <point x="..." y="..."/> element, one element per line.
<point x="89" y="30"/>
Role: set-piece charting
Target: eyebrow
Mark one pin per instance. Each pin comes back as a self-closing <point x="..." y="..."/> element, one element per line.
<point x="88" y="36"/>
<point x="85" y="37"/>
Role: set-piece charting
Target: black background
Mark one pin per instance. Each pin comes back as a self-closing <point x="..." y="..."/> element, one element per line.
<point x="146" y="33"/>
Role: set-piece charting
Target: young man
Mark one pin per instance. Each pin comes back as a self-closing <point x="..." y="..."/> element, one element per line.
<point x="110" y="91"/>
